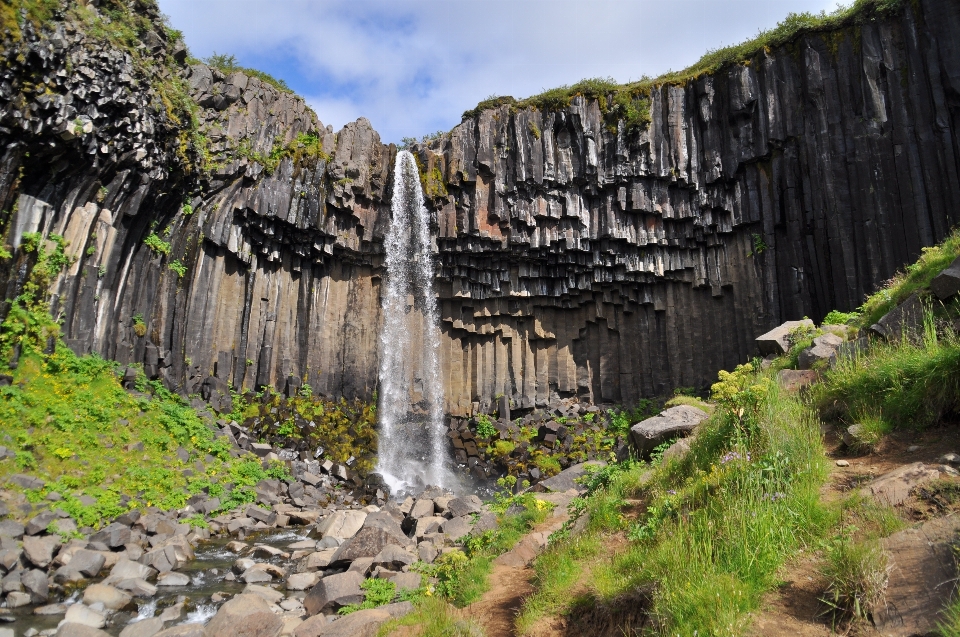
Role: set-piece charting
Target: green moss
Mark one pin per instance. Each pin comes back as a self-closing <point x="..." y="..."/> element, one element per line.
<point x="227" y="64"/>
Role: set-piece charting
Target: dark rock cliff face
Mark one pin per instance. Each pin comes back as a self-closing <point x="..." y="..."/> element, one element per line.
<point x="573" y="259"/>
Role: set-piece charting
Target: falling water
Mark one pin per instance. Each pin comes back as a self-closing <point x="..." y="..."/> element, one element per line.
<point x="411" y="450"/>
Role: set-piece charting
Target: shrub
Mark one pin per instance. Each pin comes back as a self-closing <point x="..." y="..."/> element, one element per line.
<point x="857" y="574"/>
<point x="139" y="327"/>
<point x="158" y="245"/>
<point x="178" y="268"/>
<point x="485" y="428"/>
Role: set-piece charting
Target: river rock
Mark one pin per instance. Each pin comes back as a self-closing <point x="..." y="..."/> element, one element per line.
<point x="75" y="629"/>
<point x="128" y="569"/>
<point x="108" y="596"/>
<point x="35" y="583"/>
<point x="39" y="550"/>
<point x="80" y="614"/>
<point x="145" y="628"/>
<point x="342" y="524"/>
<point x="83" y="563"/>
<point x="265" y="592"/>
<point x="246" y="615"/>
<point x="185" y="630"/>
<point x="301" y="581"/>
<point x="137" y="587"/>
<point x="173" y="579"/>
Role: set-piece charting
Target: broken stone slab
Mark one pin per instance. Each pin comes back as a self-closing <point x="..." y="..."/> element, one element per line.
<point x="268" y="594"/>
<point x="456" y="528"/>
<point x="903" y="321"/>
<point x="407" y="581"/>
<point x="675" y="421"/>
<point x="947" y="283"/>
<point x="173" y="579"/>
<point x="333" y="592"/>
<point x="75" y="629"/>
<point x="35" y="583"/>
<point x="422" y="508"/>
<point x="894" y="487"/>
<point x="921" y="575"/>
<point x="809" y="357"/>
<point x="40" y="523"/>
<point x="249" y="611"/>
<point x="84" y="563"/>
<point x="183" y="630"/>
<point x="128" y="569"/>
<point x="567" y="479"/>
<point x="137" y="587"/>
<point x="342" y="524"/>
<point x="428" y="525"/>
<point x="777" y="340"/>
<point x="319" y="560"/>
<point x="368" y="542"/>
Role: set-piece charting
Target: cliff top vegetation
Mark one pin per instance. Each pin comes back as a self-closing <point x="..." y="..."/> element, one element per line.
<point x="630" y="101"/>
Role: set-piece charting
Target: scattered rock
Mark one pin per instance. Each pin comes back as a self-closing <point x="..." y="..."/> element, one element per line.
<point x="776" y="341"/>
<point x="793" y="380"/>
<point x="144" y="628"/>
<point x="893" y="488"/>
<point x="246" y="615"/>
<point x="108" y="596"/>
<point x="333" y="592"/>
<point x="173" y="579"/>
<point x="843" y="463"/>
<point x="80" y="614"/>
<point x="675" y="421"/>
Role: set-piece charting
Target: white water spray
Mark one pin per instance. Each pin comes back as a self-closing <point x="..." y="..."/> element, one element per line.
<point x="411" y="446"/>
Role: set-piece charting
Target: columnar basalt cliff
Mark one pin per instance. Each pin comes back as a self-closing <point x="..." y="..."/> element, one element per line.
<point x="576" y="256"/>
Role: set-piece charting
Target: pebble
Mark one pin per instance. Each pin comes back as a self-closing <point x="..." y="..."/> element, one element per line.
<point x="843" y="463"/>
<point x="913" y="448"/>
<point x="950" y="458"/>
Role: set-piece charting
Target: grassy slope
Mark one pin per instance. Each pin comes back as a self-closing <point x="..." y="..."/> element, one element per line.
<point x="717" y="526"/>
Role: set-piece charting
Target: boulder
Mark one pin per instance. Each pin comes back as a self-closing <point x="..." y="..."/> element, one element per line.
<point x="265" y="592"/>
<point x="466" y="505"/>
<point x="811" y="356"/>
<point x="363" y="623"/>
<point x="318" y="560"/>
<point x="83" y="563"/>
<point x="947" y="283"/>
<point x="394" y="558"/>
<point x="128" y="569"/>
<point x="173" y="579"/>
<point x="776" y="341"/>
<point x="74" y="629"/>
<point x="184" y="630"/>
<point x="456" y="528"/>
<point x="793" y="380"/>
<point x="905" y="320"/>
<point x="677" y="450"/>
<point x="566" y="479"/>
<point x="334" y="591"/>
<point x="246" y="615"/>
<point x="894" y="487"/>
<point x="137" y="587"/>
<point x="39" y="550"/>
<point x="421" y="508"/>
<point x="407" y="581"/>
<point x="110" y="597"/>
<point x="920" y="579"/>
<point x="11" y="529"/>
<point x="428" y="525"/>
<point x="368" y="542"/>
<point x="35" y="583"/>
<point x="301" y="581"/>
<point x="675" y="421"/>
<point x="80" y="614"/>
<point x="342" y="524"/>
<point x="40" y="523"/>
<point x="113" y="535"/>
<point x="144" y="628"/>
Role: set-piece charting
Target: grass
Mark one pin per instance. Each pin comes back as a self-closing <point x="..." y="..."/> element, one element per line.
<point x="227" y="64"/>
<point x="436" y="618"/>
<point x="718" y="524"/>
<point x="895" y="385"/>
<point x="914" y="277"/>
<point x="691" y="401"/>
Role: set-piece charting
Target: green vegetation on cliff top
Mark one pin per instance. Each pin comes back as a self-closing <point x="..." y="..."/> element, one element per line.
<point x="630" y="101"/>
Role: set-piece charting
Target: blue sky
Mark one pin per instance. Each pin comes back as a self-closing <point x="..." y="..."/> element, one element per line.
<point x="412" y="67"/>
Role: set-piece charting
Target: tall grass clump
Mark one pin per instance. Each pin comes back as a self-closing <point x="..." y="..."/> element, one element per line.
<point x="903" y="384"/>
<point x="720" y="522"/>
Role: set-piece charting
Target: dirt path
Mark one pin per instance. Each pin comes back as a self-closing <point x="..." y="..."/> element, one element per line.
<point x="510" y="581"/>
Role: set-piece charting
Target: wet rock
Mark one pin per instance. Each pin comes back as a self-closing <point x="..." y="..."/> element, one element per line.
<point x="173" y="579"/>
<point x="137" y="587"/>
<point x="246" y="615"/>
<point x="80" y="614"/>
<point x="16" y="599"/>
<point x="128" y="569"/>
<point x="35" y="583"/>
<point x="145" y="628"/>
<point x="106" y="595"/>
<point x="50" y="610"/>
<point x="265" y="592"/>
<point x="185" y="630"/>
<point x="675" y="421"/>
<point x="333" y="592"/>
<point x="75" y="629"/>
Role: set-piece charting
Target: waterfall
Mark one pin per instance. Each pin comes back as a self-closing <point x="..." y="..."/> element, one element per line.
<point x="411" y="447"/>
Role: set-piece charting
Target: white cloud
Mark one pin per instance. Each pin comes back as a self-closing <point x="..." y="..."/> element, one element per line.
<point x="412" y="67"/>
